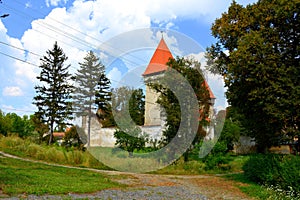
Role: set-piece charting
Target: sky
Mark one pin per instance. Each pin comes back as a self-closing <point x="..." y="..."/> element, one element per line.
<point x="123" y="33"/>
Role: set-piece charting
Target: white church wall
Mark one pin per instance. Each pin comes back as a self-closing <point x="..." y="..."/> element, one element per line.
<point x="104" y="137"/>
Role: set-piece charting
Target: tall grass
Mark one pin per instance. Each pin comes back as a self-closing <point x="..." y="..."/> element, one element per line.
<point x="117" y="160"/>
<point x="53" y="154"/>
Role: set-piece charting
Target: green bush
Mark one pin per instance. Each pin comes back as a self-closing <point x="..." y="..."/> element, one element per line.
<point x="217" y="161"/>
<point x="11" y="141"/>
<point x="55" y="155"/>
<point x="76" y="157"/>
<point x="279" y="170"/>
<point x="33" y="150"/>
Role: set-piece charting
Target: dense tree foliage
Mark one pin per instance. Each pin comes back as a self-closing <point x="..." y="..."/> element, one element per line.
<point x="39" y="127"/>
<point x="137" y="106"/>
<point x="92" y="90"/>
<point x="257" y="52"/>
<point x="103" y="95"/>
<point x="53" y="98"/>
<point x="188" y="69"/>
<point x="130" y="102"/>
<point x="72" y="138"/>
<point x="130" y="139"/>
<point x="11" y="123"/>
<point x="128" y="110"/>
<point x="231" y="123"/>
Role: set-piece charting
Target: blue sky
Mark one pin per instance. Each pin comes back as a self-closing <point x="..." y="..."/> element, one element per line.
<point x="79" y="26"/>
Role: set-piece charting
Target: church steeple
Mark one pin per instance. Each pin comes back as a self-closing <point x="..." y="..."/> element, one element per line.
<point x="158" y="62"/>
<point x="156" y="67"/>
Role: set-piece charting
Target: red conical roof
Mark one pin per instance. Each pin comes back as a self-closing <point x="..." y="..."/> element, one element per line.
<point x="211" y="94"/>
<point x="158" y="62"/>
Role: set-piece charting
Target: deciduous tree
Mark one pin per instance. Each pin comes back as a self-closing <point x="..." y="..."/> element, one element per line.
<point x="257" y="51"/>
<point x="128" y="106"/>
<point x="188" y="70"/>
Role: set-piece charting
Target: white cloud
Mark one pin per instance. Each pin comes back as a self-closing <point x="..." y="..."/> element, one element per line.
<point x="28" y="5"/>
<point x="12" y="70"/>
<point x="55" y="2"/>
<point x="115" y="76"/>
<point x="24" y="110"/>
<point x="87" y="24"/>
<point x="12" y="91"/>
<point x="215" y="82"/>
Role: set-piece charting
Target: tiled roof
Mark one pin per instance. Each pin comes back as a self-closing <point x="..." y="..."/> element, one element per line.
<point x="59" y="134"/>
<point x="211" y="94"/>
<point x="158" y="62"/>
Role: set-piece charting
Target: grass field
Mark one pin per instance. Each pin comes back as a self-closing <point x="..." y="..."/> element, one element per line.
<point x="19" y="177"/>
<point x="113" y="159"/>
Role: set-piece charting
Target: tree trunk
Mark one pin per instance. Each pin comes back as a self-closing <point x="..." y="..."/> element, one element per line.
<point x="186" y="156"/>
<point x="89" y="126"/>
<point x="51" y="133"/>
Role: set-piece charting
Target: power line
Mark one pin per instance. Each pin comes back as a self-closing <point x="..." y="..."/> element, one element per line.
<point x="39" y="56"/>
<point x="74" y="68"/>
<point x="79" y="31"/>
<point x="50" y="27"/>
<point x="13" y="57"/>
<point x="56" y="30"/>
<point x="64" y="33"/>
<point x="35" y="54"/>
<point x="68" y="35"/>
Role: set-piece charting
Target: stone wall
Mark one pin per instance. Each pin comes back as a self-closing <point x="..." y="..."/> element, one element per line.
<point x="104" y="137"/>
<point x="245" y="145"/>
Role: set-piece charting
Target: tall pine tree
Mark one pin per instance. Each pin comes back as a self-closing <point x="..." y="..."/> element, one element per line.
<point x="92" y="89"/>
<point x="53" y="98"/>
<point x="103" y="95"/>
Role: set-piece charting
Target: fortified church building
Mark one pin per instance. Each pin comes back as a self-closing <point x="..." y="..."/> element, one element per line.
<point x="154" y="118"/>
<point x="156" y="69"/>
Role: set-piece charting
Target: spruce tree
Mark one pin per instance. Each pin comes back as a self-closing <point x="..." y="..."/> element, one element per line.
<point x="103" y="95"/>
<point x="92" y="89"/>
<point x="53" y="98"/>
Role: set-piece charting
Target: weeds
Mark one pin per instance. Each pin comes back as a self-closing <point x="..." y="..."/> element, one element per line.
<point x="53" y="153"/>
<point x="276" y="193"/>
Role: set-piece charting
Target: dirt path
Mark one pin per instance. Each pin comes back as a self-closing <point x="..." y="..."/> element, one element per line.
<point x="150" y="186"/>
<point x="212" y="187"/>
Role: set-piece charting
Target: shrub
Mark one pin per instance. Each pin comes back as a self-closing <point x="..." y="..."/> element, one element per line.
<point x="218" y="161"/>
<point x="217" y="158"/>
<point x="76" y="157"/>
<point x="54" y="155"/>
<point x="33" y="149"/>
<point x="11" y="141"/>
<point x="281" y="170"/>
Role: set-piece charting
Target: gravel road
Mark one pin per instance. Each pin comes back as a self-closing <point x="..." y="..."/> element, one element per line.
<point x="152" y="187"/>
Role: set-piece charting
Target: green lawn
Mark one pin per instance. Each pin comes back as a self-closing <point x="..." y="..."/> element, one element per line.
<point x="17" y="177"/>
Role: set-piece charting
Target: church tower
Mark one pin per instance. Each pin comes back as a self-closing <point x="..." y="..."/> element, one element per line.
<point x="156" y="68"/>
